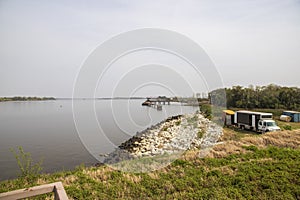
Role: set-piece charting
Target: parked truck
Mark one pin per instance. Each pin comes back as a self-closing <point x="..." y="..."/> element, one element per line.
<point x="256" y="121"/>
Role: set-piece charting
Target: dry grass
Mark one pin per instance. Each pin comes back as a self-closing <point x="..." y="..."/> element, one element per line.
<point x="190" y="155"/>
<point x="290" y="139"/>
<point x="227" y="148"/>
<point x="99" y="174"/>
<point x="132" y="177"/>
<point x="69" y="180"/>
<point x="153" y="175"/>
<point x="41" y="181"/>
<point x="233" y="143"/>
<point x="230" y="170"/>
<point x="225" y="170"/>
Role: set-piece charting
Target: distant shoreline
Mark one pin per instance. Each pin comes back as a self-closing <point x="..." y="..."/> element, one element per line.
<point x="5" y="99"/>
<point x="19" y="98"/>
<point x="102" y="98"/>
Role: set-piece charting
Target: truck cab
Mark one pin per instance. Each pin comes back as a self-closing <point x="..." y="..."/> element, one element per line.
<point x="267" y="125"/>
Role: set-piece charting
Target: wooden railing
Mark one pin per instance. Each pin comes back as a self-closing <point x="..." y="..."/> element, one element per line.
<point x="57" y="188"/>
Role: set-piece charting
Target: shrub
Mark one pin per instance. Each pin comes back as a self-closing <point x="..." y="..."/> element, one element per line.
<point x="287" y="127"/>
<point x="206" y="110"/>
<point x="28" y="169"/>
<point x="178" y="122"/>
<point x="200" y="133"/>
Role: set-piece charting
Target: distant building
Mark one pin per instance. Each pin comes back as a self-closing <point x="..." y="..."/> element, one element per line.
<point x="202" y="95"/>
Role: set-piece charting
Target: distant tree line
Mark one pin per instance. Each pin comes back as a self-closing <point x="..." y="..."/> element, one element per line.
<point x="18" y="98"/>
<point x="271" y="96"/>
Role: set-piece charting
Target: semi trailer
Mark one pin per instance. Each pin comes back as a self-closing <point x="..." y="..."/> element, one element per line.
<point x="256" y="121"/>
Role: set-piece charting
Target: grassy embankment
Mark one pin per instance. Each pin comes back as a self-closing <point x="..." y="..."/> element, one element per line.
<point x="245" y="166"/>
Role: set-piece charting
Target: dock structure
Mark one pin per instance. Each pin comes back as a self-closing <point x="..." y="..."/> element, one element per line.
<point x="157" y="102"/>
<point x="160" y="100"/>
<point x="163" y="100"/>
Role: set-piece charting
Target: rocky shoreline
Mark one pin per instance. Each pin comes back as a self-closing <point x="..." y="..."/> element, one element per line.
<point x="173" y="135"/>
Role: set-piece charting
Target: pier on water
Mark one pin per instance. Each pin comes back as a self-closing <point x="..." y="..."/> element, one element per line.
<point x="157" y="102"/>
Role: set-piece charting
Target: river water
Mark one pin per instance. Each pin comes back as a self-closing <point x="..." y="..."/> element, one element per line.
<point x="48" y="131"/>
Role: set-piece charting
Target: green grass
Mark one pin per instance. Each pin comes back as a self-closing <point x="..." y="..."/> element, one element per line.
<point x="271" y="173"/>
<point x="293" y="125"/>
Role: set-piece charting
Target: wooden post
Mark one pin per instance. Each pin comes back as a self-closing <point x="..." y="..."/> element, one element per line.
<point x="59" y="192"/>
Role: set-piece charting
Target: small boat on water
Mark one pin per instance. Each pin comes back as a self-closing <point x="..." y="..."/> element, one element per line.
<point x="146" y="103"/>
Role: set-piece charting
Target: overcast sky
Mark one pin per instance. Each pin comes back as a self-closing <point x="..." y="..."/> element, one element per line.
<point x="44" y="43"/>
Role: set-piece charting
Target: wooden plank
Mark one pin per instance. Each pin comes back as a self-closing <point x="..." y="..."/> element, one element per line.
<point x="59" y="192"/>
<point x="34" y="191"/>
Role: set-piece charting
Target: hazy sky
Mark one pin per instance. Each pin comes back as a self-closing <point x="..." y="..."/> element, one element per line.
<point x="44" y="43"/>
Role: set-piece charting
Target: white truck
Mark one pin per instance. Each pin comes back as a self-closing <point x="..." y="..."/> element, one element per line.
<point x="256" y="121"/>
